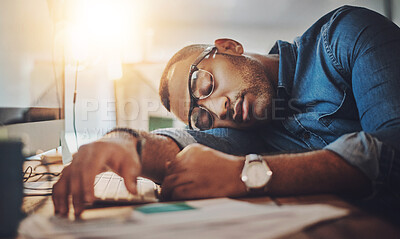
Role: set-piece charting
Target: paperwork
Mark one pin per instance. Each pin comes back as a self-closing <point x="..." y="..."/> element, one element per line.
<point x="212" y="218"/>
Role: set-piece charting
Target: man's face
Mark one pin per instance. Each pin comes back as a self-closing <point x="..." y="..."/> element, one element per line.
<point x="242" y="93"/>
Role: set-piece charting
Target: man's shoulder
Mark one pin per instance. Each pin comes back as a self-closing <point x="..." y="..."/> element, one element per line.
<point x="352" y="15"/>
<point x="349" y="27"/>
<point x="344" y="29"/>
<point x="344" y="19"/>
<point x="347" y="9"/>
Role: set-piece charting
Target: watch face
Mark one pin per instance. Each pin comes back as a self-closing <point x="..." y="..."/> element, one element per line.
<point x="256" y="175"/>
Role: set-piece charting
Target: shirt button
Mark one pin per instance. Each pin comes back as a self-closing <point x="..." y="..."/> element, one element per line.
<point x="306" y="135"/>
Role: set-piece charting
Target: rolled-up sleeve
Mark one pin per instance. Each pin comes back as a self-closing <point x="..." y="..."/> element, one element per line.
<point x="181" y="136"/>
<point x="361" y="150"/>
<point x="378" y="160"/>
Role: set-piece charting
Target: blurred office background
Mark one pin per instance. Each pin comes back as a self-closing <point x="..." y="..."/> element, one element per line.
<point x="117" y="49"/>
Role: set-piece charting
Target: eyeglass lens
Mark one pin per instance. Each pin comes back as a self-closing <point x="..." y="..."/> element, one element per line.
<point x="202" y="85"/>
<point x="201" y="119"/>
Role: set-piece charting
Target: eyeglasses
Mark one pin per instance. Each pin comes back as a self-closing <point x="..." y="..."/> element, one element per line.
<point x="201" y="86"/>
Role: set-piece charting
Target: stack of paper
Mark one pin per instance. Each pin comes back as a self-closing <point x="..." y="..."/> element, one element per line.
<point x="215" y="218"/>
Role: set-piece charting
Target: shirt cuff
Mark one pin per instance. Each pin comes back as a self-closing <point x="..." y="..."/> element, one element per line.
<point x="180" y="136"/>
<point x="360" y="150"/>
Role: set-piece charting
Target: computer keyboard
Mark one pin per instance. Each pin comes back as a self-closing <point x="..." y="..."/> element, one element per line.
<point x="110" y="187"/>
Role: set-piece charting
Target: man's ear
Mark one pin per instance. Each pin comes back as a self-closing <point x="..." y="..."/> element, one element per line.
<point x="229" y="46"/>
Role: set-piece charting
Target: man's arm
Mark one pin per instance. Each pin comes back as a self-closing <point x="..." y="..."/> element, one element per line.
<point x="201" y="172"/>
<point x="367" y="47"/>
<point x="320" y="171"/>
<point x="157" y="150"/>
<point x="116" y="151"/>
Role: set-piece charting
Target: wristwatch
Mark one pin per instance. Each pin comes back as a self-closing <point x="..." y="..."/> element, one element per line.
<point x="256" y="173"/>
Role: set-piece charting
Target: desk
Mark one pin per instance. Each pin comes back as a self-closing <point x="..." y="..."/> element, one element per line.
<point x="357" y="224"/>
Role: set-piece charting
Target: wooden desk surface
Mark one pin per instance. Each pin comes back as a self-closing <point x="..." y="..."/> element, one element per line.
<point x="358" y="224"/>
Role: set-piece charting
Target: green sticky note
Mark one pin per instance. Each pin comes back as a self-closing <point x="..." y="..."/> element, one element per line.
<point x="164" y="207"/>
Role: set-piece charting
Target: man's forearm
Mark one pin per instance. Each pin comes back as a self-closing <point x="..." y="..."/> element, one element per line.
<point x="319" y="171"/>
<point x="156" y="151"/>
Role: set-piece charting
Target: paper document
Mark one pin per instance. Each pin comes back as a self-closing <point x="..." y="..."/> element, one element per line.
<point x="213" y="218"/>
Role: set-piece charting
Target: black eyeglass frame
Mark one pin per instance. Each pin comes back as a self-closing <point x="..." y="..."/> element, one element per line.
<point x="194" y="99"/>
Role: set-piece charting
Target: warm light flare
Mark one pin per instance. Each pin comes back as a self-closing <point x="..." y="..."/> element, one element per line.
<point x="97" y="30"/>
<point x="114" y="70"/>
<point x="104" y="21"/>
<point x="77" y="44"/>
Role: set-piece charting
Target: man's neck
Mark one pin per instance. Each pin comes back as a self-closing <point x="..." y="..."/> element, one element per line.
<point x="270" y="63"/>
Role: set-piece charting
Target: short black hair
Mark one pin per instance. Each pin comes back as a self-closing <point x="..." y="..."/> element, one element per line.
<point x="179" y="56"/>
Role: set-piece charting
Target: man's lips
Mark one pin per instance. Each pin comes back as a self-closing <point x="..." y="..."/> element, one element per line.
<point x="241" y="110"/>
<point x="245" y="109"/>
<point x="237" y="116"/>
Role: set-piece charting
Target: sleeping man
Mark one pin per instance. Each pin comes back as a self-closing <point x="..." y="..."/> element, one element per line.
<point x="319" y="115"/>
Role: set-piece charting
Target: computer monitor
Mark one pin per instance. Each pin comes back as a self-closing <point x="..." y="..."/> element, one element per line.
<point x="31" y="76"/>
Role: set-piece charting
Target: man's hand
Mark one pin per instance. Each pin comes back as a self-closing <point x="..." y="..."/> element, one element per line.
<point x="77" y="179"/>
<point x="202" y="172"/>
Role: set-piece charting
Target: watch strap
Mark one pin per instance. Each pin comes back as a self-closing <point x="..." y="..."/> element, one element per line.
<point x="256" y="158"/>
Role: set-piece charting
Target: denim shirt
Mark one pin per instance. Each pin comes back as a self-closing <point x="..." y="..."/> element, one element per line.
<point x="338" y="89"/>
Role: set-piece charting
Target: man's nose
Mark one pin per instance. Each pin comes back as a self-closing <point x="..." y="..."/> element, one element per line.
<point x="217" y="105"/>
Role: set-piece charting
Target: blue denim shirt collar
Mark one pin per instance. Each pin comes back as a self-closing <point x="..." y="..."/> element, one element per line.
<point x="287" y="66"/>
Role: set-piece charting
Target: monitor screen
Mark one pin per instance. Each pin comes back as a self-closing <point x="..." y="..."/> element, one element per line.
<point x="31" y="75"/>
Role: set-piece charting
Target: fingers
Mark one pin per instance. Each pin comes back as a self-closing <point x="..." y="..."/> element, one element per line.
<point x="181" y="192"/>
<point x="174" y="167"/>
<point x="77" y="193"/>
<point x="193" y="173"/>
<point x="87" y="181"/>
<point x="129" y="169"/>
<point x="177" y="176"/>
<point x="78" y="178"/>
<point x="184" y="192"/>
<point x="60" y="194"/>
<point x="88" y="172"/>
<point x="172" y="182"/>
<point x="82" y="177"/>
<point x="129" y="173"/>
